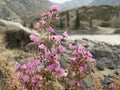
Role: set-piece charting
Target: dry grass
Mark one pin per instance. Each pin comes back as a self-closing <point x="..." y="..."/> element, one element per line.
<point x="117" y="82"/>
<point x="7" y="76"/>
<point x="96" y="79"/>
<point x="8" y="80"/>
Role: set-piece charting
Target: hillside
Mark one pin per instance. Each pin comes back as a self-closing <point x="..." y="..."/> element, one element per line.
<point x="91" y="16"/>
<point x="74" y="4"/>
<point x="17" y="10"/>
<point x="6" y="13"/>
<point x="78" y="3"/>
<point x="98" y="2"/>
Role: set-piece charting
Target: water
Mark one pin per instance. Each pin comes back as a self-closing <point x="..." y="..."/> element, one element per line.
<point x="111" y="39"/>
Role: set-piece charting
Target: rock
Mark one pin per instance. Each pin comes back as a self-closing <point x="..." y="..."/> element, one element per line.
<point x="111" y="65"/>
<point x="104" y="60"/>
<point x="15" y="35"/>
<point x="19" y="58"/>
<point x="117" y="71"/>
<point x="100" y="66"/>
<point x="66" y="44"/>
<point x="103" y="53"/>
<point x="87" y="82"/>
<point x="107" y="80"/>
<point x="117" y="31"/>
<point x="64" y="59"/>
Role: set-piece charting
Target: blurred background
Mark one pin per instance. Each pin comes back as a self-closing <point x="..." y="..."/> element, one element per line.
<point x="100" y="18"/>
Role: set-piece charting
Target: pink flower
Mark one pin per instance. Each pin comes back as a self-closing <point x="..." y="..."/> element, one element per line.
<point x="47" y="54"/>
<point x="88" y="54"/>
<point x="43" y="14"/>
<point x="40" y="84"/>
<point x="38" y="77"/>
<point x="50" y="14"/>
<point x="72" y="60"/>
<point x="52" y="38"/>
<point x="50" y="29"/>
<point x="92" y="60"/>
<point x="34" y="38"/>
<point x="78" y="84"/>
<point x="71" y="46"/>
<point x="75" y="52"/>
<point x="85" y="65"/>
<point x="54" y="51"/>
<point x="37" y="26"/>
<point x="81" y="69"/>
<point x="61" y="48"/>
<point x="58" y="38"/>
<point x="39" y="70"/>
<point x="75" y="83"/>
<point x="80" y="47"/>
<point x="24" y="88"/>
<point x="17" y="66"/>
<point x="50" y="68"/>
<point x="42" y="22"/>
<point x="65" y="34"/>
<point x="37" y="62"/>
<point x="24" y="66"/>
<point x="60" y="71"/>
<point x="56" y="64"/>
<point x="25" y="78"/>
<point x="42" y="46"/>
<point x="111" y="86"/>
<point x="19" y="74"/>
<point x="55" y="8"/>
<point x="33" y="80"/>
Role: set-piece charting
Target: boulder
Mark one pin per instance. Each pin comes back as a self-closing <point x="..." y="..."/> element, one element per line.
<point x="15" y="35"/>
<point x="104" y="53"/>
<point x="111" y="65"/>
<point x="100" y="66"/>
<point x="117" y="31"/>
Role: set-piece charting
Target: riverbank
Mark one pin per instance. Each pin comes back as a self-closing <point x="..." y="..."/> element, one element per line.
<point x="110" y="39"/>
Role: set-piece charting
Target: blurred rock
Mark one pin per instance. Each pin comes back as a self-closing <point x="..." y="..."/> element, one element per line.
<point x="15" y="35"/>
<point x="100" y="66"/>
<point x="117" y="31"/>
<point x="30" y="47"/>
<point x="111" y="65"/>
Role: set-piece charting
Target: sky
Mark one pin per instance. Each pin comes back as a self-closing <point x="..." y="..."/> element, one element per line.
<point x="59" y="1"/>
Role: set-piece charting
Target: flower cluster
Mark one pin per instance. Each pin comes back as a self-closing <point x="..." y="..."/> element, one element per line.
<point x="40" y="73"/>
<point x="34" y="38"/>
<point x="30" y="73"/>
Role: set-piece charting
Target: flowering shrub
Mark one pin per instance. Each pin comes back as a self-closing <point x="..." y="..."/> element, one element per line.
<point x="44" y="72"/>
